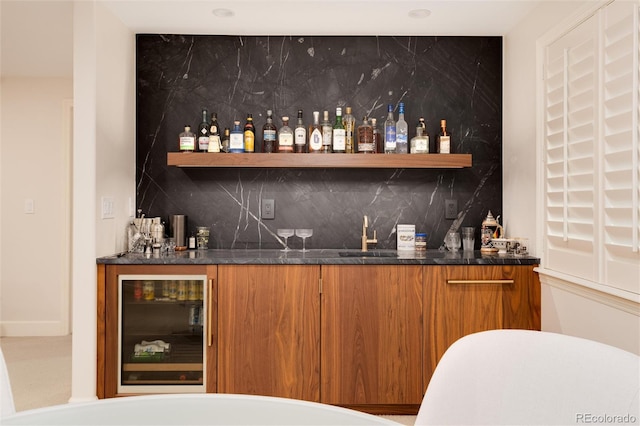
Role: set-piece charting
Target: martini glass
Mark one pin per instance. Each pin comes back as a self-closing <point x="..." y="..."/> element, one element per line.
<point x="285" y="233"/>
<point x="304" y="234"/>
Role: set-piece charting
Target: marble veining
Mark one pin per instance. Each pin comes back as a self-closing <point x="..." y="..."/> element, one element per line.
<point x="454" y="78"/>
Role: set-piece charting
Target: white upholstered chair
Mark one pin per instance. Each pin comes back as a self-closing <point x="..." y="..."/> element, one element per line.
<point x="6" y="396"/>
<point x="513" y="377"/>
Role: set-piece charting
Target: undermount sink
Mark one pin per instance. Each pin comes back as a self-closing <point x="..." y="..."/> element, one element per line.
<point x="367" y="254"/>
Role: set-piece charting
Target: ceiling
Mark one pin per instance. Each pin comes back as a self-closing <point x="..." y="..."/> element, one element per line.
<point x="37" y="35"/>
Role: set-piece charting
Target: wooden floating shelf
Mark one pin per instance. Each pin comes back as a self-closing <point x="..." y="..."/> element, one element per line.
<point x="329" y="161"/>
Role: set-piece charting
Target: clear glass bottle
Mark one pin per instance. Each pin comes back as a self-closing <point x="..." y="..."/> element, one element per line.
<point x="349" y="123"/>
<point x="378" y="138"/>
<point x="285" y="137"/>
<point x="300" y="135"/>
<point x="420" y="142"/>
<point x="365" y="137"/>
<point x="187" y="140"/>
<point x="444" y="139"/>
<point x="390" y="132"/>
<point x="226" y="139"/>
<point x="203" y="132"/>
<point x="214" y="134"/>
<point x="315" y="134"/>
<point x="339" y="134"/>
<point x="327" y="133"/>
<point x="236" y="138"/>
<point x="249" y="136"/>
<point x="269" y="134"/>
<point x="402" y="131"/>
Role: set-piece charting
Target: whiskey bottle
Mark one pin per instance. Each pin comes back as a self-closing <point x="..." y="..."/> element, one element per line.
<point x="444" y="139"/>
<point x="285" y="137"/>
<point x="339" y="135"/>
<point x="214" y="134"/>
<point x="300" y="135"/>
<point x="315" y="134"/>
<point x="420" y="142"/>
<point x="249" y="134"/>
<point x="390" y="132"/>
<point x="402" y="131"/>
<point x="378" y="138"/>
<point x="269" y="134"/>
<point x="236" y="138"/>
<point x="327" y="132"/>
<point x="187" y="140"/>
<point x="203" y="132"/>
<point x="349" y="123"/>
<point x="365" y="137"/>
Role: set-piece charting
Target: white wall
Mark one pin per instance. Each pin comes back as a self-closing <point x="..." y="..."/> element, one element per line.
<point x="35" y="159"/>
<point x="566" y="308"/>
<point x="104" y="149"/>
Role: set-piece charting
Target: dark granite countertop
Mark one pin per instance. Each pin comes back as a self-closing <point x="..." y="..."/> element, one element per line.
<point x="316" y="257"/>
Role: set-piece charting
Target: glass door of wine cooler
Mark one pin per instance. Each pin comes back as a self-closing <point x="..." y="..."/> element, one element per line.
<point x="161" y="333"/>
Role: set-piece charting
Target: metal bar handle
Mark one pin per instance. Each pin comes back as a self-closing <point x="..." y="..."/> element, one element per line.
<point x="480" y="282"/>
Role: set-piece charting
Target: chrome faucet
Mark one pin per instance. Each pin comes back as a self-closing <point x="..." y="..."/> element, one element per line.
<point x="366" y="240"/>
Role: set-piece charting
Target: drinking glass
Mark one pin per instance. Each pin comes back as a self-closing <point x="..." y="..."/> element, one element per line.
<point x="468" y="238"/>
<point x="452" y="241"/>
<point x="304" y="234"/>
<point x="285" y="233"/>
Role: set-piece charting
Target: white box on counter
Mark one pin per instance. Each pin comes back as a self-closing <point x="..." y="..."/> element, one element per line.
<point x="406" y="235"/>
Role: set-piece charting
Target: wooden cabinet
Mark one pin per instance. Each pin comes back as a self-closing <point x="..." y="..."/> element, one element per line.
<point x="461" y="300"/>
<point x="372" y="337"/>
<point x="269" y="330"/>
<point x="125" y="319"/>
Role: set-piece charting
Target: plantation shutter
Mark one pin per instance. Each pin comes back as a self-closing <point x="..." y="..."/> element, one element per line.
<point x="591" y="151"/>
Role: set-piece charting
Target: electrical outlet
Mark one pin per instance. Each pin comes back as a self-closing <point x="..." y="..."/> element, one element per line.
<point x="107" y="208"/>
<point x="268" y="209"/>
<point x="450" y="209"/>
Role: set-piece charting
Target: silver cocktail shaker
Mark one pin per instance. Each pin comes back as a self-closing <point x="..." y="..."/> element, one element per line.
<point x="178" y="225"/>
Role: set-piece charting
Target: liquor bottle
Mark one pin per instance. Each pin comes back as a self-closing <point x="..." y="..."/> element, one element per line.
<point x="285" y="137"/>
<point x="203" y="132"/>
<point x="349" y="123"/>
<point x="378" y="138"/>
<point x="327" y="132"/>
<point x="402" y="131"/>
<point x="365" y="137"/>
<point x="300" y="135"/>
<point x="315" y="134"/>
<point x="444" y="139"/>
<point x="236" y="139"/>
<point x="269" y="134"/>
<point x="226" y="139"/>
<point x="249" y="137"/>
<point x="420" y="142"/>
<point x="390" y="132"/>
<point x="339" y="134"/>
<point x="187" y="140"/>
<point x="214" y="134"/>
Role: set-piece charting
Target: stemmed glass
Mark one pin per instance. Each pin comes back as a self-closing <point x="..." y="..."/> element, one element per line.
<point x="285" y="233"/>
<point x="304" y="234"/>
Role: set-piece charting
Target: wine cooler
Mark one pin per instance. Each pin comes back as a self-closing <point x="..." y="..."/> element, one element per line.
<point x="161" y="333"/>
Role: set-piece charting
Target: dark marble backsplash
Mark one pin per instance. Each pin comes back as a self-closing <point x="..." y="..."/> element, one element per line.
<point x="455" y="78"/>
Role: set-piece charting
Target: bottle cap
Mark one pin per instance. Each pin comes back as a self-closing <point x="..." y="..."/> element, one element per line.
<point x="389" y="108"/>
<point x="338" y="111"/>
<point x="348" y="110"/>
<point x="443" y="123"/>
<point x="285" y="118"/>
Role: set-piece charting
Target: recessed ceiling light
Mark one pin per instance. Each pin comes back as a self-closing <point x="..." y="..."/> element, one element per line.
<point x="419" y="13"/>
<point x="223" y="13"/>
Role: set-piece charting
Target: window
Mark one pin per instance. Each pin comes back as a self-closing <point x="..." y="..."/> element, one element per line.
<point x="591" y="154"/>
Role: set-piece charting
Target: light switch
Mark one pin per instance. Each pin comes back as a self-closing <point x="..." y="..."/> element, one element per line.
<point x="268" y="209"/>
<point x="107" y="208"/>
<point x="29" y="206"/>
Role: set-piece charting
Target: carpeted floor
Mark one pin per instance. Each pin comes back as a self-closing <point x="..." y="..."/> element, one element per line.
<point x="40" y="372"/>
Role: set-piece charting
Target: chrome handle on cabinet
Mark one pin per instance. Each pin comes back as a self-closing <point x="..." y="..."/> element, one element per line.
<point x="480" y="282"/>
<point x="209" y="313"/>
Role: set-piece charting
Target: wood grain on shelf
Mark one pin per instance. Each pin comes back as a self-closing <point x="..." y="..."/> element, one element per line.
<point x="162" y="366"/>
<point x="279" y="160"/>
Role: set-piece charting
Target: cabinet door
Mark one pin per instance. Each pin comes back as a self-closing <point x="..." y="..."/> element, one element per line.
<point x="371" y="334"/>
<point x="269" y="330"/>
<point x="461" y="300"/>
